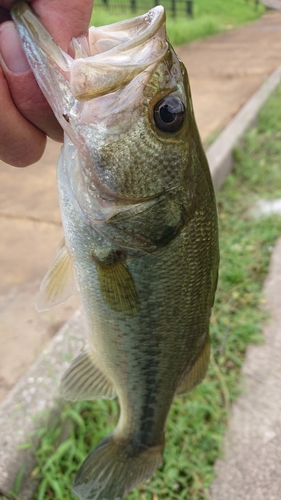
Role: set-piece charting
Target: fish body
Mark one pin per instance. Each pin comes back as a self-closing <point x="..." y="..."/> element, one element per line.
<point x="141" y="236"/>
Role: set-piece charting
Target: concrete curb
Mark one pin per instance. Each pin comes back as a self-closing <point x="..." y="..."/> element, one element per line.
<point x="272" y="4"/>
<point x="219" y="154"/>
<point x="38" y="389"/>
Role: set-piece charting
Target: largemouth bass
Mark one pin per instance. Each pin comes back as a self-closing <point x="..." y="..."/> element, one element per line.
<point x="141" y="235"/>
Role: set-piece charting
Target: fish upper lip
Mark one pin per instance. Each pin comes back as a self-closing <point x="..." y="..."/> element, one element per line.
<point x="118" y="53"/>
<point x="151" y="21"/>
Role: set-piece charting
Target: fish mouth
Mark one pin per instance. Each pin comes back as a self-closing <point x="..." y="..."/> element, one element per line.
<point x="117" y="53"/>
<point x="109" y="57"/>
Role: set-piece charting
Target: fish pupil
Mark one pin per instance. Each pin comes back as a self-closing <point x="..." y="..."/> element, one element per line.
<point x="166" y="113"/>
<point x="169" y="114"/>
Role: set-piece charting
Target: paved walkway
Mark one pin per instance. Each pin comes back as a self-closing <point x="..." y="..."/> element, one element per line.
<point x="225" y="70"/>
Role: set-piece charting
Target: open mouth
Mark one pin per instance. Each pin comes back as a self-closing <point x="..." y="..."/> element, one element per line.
<point x="109" y="57"/>
<point x="117" y="53"/>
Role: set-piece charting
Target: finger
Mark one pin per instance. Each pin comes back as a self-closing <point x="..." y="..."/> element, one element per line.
<point x="64" y="19"/>
<point x="21" y="142"/>
<point x="24" y="90"/>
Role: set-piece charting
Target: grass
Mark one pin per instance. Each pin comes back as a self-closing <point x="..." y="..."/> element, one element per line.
<point x="197" y="422"/>
<point x="210" y="17"/>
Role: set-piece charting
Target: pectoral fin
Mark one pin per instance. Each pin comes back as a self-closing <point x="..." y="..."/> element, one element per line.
<point x="59" y="283"/>
<point x="117" y="287"/>
<point x="84" y="380"/>
<point x="197" y="372"/>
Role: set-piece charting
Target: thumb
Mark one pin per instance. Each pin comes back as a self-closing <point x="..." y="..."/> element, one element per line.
<point x="64" y="19"/>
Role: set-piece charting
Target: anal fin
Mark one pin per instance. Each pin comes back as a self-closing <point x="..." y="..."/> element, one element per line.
<point x="84" y="380"/>
<point x="197" y="372"/>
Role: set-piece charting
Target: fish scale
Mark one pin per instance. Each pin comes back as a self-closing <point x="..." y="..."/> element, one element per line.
<point x="141" y="233"/>
<point x="131" y="183"/>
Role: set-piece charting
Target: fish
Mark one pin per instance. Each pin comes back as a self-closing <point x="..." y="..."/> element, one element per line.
<point x="140" y="232"/>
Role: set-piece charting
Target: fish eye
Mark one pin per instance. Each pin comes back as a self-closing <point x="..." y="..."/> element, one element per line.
<point x="169" y="114"/>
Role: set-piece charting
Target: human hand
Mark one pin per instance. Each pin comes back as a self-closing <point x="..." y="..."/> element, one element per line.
<point x="25" y="116"/>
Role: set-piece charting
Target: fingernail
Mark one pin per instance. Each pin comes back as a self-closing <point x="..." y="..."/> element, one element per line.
<point x="11" y="49"/>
